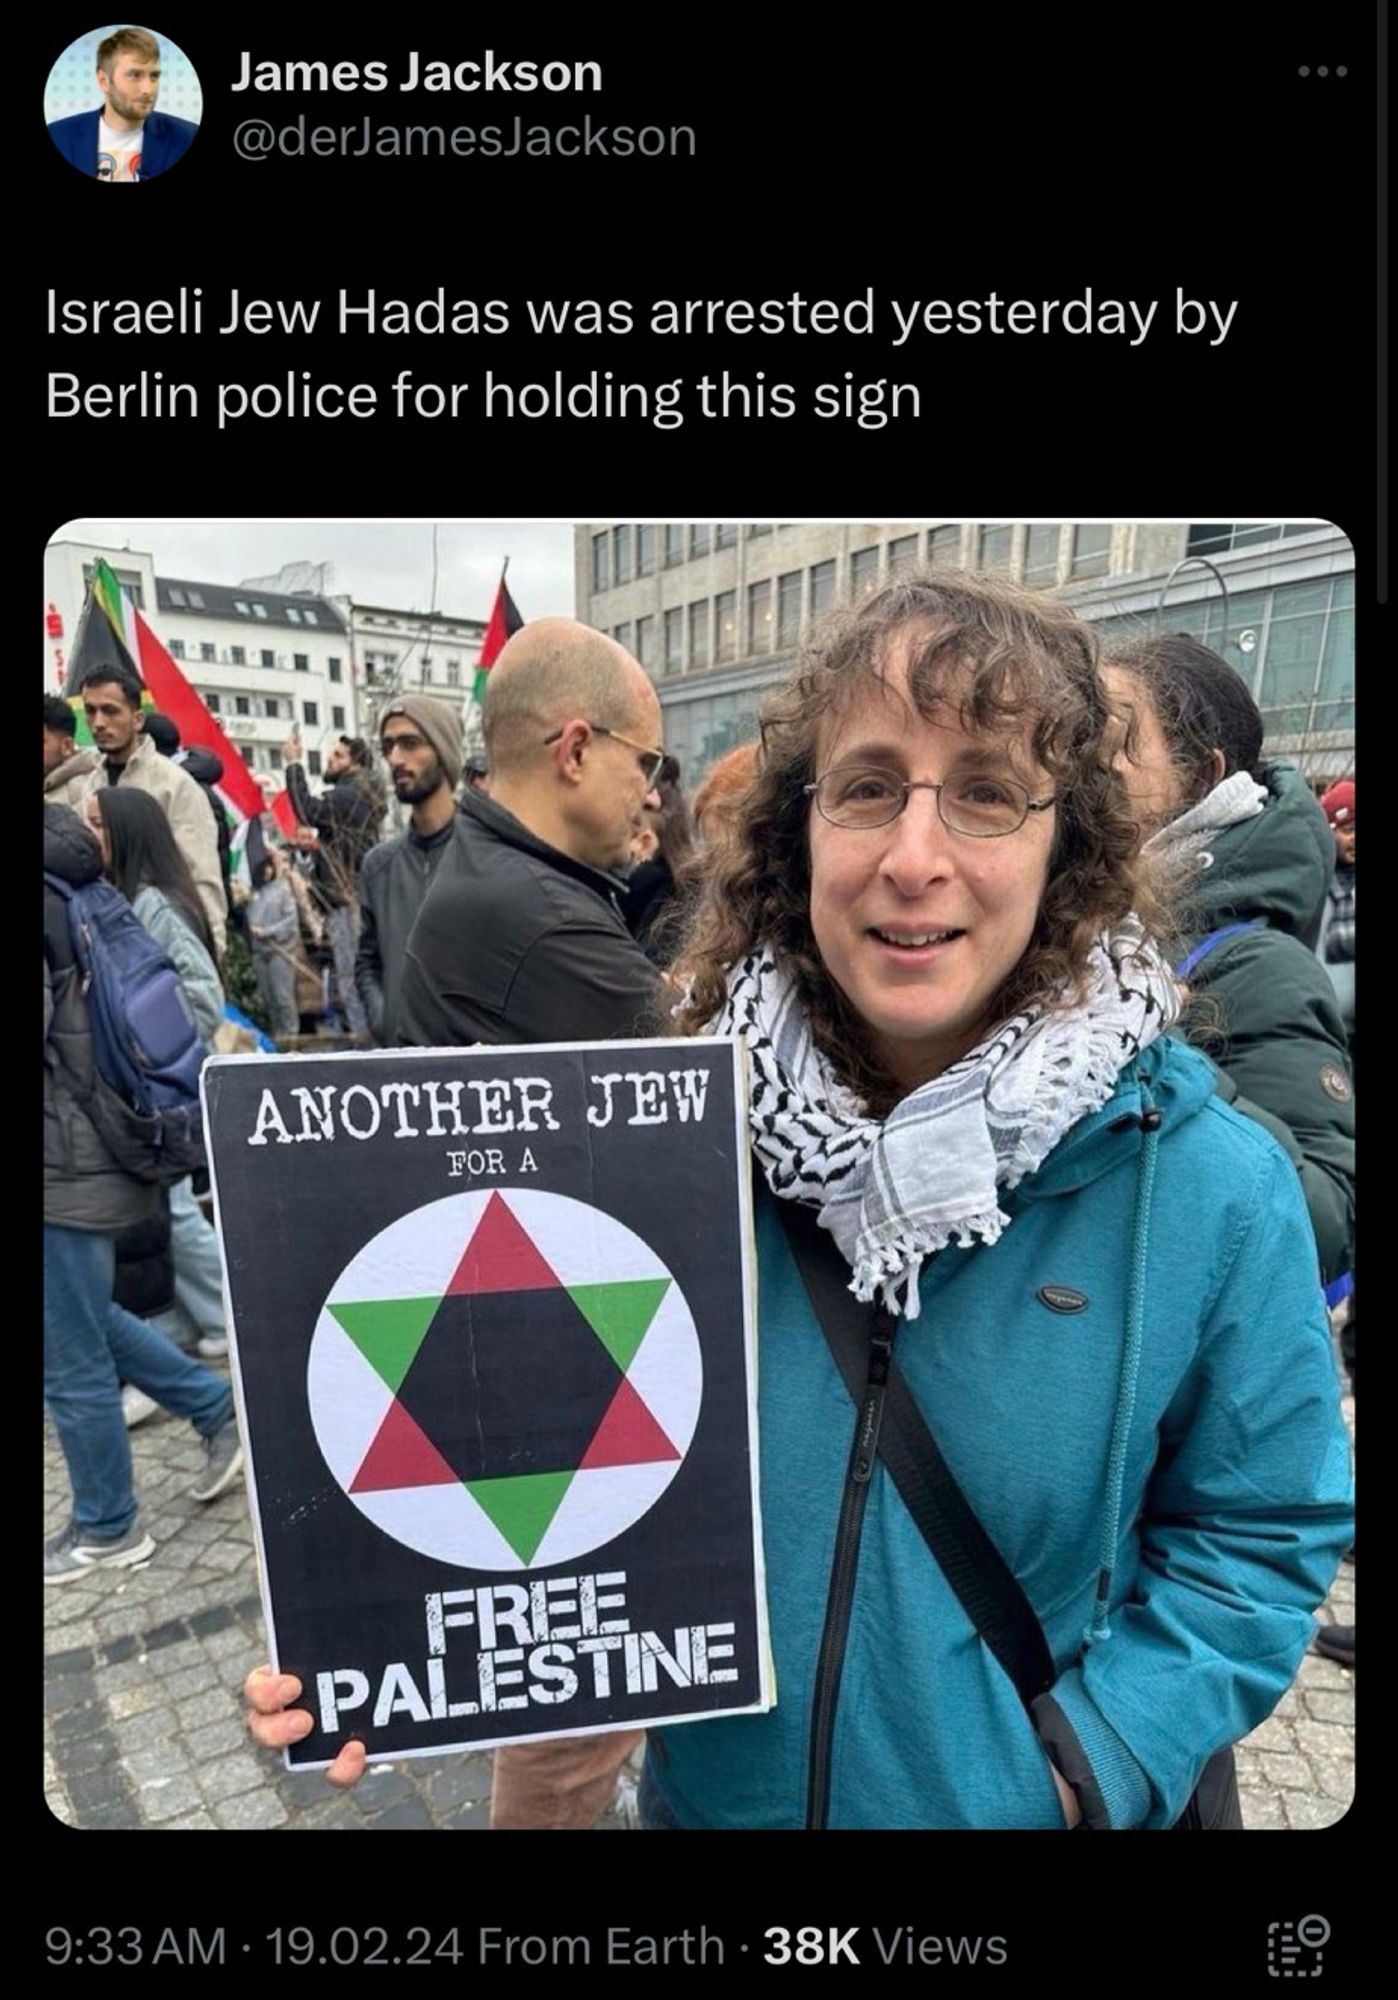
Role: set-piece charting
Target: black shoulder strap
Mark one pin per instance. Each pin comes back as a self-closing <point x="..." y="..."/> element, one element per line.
<point x="986" y="1587"/>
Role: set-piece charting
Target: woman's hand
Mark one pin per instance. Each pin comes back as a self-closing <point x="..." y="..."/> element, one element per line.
<point x="1067" y="1797"/>
<point x="274" y="1724"/>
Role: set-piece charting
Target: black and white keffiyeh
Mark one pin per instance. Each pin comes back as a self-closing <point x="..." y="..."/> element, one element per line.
<point x="892" y="1193"/>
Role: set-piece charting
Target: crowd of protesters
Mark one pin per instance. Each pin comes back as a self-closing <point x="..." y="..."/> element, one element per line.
<point x="972" y="849"/>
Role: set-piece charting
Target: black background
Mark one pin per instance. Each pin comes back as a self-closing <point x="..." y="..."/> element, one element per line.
<point x="937" y="153"/>
<point x="345" y="1594"/>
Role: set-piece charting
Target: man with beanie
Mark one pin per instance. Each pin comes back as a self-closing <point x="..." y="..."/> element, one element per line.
<point x="421" y="741"/>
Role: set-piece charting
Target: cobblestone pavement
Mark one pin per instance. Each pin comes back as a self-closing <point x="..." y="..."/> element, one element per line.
<point x="143" y="1720"/>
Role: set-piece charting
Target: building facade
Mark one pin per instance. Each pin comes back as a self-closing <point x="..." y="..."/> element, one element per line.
<point x="265" y="660"/>
<point x="715" y="611"/>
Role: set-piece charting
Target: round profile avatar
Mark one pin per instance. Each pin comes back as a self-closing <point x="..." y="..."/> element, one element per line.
<point x="101" y="105"/>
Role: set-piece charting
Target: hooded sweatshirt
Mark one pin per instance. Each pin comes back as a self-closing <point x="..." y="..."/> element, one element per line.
<point x="1231" y="1496"/>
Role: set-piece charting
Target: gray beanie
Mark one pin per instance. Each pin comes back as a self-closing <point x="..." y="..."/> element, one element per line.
<point x="439" y="723"/>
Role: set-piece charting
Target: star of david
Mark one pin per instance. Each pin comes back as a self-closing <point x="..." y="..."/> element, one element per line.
<point x="510" y="1382"/>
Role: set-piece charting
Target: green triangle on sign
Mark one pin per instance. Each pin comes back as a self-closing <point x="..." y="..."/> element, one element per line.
<point x="387" y="1332"/>
<point x="620" y="1314"/>
<point x="522" y="1508"/>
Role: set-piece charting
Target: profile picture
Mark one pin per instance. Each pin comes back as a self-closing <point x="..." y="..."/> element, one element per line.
<point x="123" y="104"/>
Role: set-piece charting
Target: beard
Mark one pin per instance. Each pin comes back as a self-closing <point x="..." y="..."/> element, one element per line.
<point x="413" y="794"/>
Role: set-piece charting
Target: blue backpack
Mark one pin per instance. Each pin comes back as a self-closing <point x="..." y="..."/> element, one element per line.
<point x="146" y="1050"/>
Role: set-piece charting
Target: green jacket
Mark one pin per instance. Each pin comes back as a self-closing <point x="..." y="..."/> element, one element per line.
<point x="1272" y="1026"/>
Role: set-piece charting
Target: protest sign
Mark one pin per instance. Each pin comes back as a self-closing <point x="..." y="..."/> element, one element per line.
<point x="493" y="1340"/>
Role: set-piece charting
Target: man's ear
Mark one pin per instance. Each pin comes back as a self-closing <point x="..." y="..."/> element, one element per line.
<point x="1220" y="764"/>
<point x="573" y="740"/>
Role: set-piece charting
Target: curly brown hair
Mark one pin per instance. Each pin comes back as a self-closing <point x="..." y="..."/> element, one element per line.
<point x="1005" y="661"/>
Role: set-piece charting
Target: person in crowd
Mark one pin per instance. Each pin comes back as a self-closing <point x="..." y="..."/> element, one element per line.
<point x="65" y="766"/>
<point x="206" y="769"/>
<point x="477" y="774"/>
<point x="720" y="790"/>
<point x="420" y="738"/>
<point x="1337" y="944"/>
<point x="141" y="859"/>
<point x="128" y="757"/>
<point x="274" y="931"/>
<point x="311" y="949"/>
<point x="339" y="827"/>
<point x="653" y="908"/>
<point x="1247" y="855"/>
<point x="519" y="939"/>
<point x="1094" y="1279"/>
<point x="90" y="1344"/>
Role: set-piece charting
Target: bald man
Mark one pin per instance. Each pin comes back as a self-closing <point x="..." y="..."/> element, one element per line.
<point x="520" y="938"/>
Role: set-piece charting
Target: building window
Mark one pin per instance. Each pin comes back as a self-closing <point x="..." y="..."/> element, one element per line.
<point x="249" y="756"/>
<point x="241" y="705"/>
<point x="337" y="719"/>
<point x="293" y="616"/>
<point x="863" y="574"/>
<point x="822" y="588"/>
<point x="756" y="528"/>
<point x="274" y="760"/>
<point x="621" y="555"/>
<point x="725" y="626"/>
<point x="789" y="608"/>
<point x="902" y="555"/>
<point x="453" y="673"/>
<point x="601" y="561"/>
<point x="726" y="535"/>
<point x="206" y="651"/>
<point x="645" y="641"/>
<point x="674" y="546"/>
<point x="240" y="606"/>
<point x="301" y="662"/>
<point x="310" y="711"/>
<point x="212" y="703"/>
<point x="622" y="634"/>
<point x="176" y="596"/>
<point x="313" y="762"/>
<point x="760" y="616"/>
<point x="944" y="547"/>
<point x="267" y="659"/>
<point x="259" y="610"/>
<point x="308" y="615"/>
<point x="1092" y="549"/>
<point x="332" y="667"/>
<point x="645" y="551"/>
<point x="995" y="547"/>
<point x="238" y="655"/>
<point x="1041" y="554"/>
<point x="674" y="640"/>
<point x="196" y="602"/>
<point x="177" y="649"/>
<point x="699" y="538"/>
<point x="699" y="634"/>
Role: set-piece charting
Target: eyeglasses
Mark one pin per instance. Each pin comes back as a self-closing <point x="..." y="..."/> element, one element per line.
<point x="653" y="762"/>
<point x="982" y="806"/>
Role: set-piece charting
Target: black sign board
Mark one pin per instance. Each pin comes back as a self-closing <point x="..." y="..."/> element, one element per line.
<point x="493" y="1340"/>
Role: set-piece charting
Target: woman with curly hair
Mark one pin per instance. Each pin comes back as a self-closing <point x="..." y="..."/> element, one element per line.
<point x="1053" y="1473"/>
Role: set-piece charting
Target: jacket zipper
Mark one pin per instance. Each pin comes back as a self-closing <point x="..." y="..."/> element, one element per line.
<point x="843" y="1570"/>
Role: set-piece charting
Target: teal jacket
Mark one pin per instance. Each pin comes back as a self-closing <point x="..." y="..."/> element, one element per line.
<point x="1272" y="1022"/>
<point x="1232" y="1496"/>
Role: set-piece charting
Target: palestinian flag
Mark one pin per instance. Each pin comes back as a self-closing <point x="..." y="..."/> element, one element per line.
<point x="505" y="621"/>
<point x="112" y="631"/>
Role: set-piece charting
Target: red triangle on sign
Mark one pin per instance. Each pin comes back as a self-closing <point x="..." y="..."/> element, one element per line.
<point x="500" y="1257"/>
<point x="402" y="1455"/>
<point x="627" y="1435"/>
